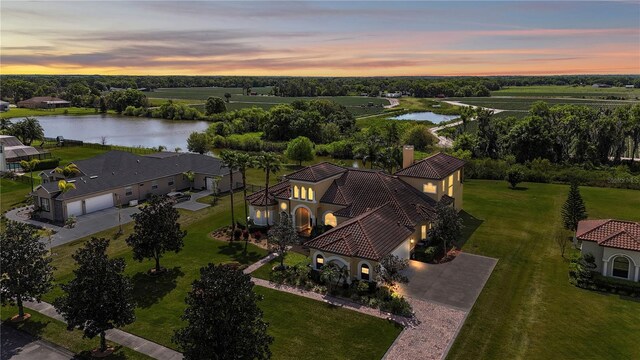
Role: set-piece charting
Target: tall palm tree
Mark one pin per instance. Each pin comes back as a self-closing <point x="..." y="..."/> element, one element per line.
<point x="65" y="186"/>
<point x="30" y="166"/>
<point x="190" y="175"/>
<point x="230" y="160"/>
<point x="70" y="170"/>
<point x="269" y="162"/>
<point x="245" y="161"/>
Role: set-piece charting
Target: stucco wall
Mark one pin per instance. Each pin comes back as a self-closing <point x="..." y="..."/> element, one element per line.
<point x="605" y="257"/>
<point x="353" y="263"/>
<point x="594" y="249"/>
<point x="442" y="187"/>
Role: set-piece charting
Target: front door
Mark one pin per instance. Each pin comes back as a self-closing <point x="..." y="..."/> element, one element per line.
<point x="303" y="219"/>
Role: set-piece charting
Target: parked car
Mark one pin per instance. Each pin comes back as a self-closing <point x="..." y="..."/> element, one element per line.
<point x="178" y="196"/>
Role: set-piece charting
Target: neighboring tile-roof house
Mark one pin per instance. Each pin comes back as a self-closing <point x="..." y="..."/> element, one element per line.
<point x="316" y="172"/>
<point x="371" y="235"/>
<point x="437" y="166"/>
<point x="118" y="169"/>
<point x="610" y="233"/>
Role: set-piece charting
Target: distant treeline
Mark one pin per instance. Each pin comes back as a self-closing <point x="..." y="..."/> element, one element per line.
<point x="19" y="87"/>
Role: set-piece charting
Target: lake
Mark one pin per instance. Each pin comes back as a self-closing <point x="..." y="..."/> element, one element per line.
<point x="425" y="116"/>
<point x="122" y="130"/>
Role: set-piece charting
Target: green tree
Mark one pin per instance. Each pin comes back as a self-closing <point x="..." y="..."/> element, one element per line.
<point x="447" y="226"/>
<point x="27" y="273"/>
<point x="332" y="274"/>
<point x="119" y="100"/>
<point x="230" y="160"/>
<point x="420" y="137"/>
<point x="223" y="320"/>
<point x="227" y="96"/>
<point x="214" y="105"/>
<point x="281" y="237"/>
<point x="198" y="142"/>
<point x="515" y="175"/>
<point x="65" y="186"/>
<point x="245" y="161"/>
<point x="30" y="166"/>
<point x="368" y="151"/>
<point x="574" y="209"/>
<point x="27" y="130"/>
<point x="300" y="149"/>
<point x="270" y="163"/>
<point x="389" y="270"/>
<point x="156" y="231"/>
<point x="99" y="298"/>
<point x="191" y="176"/>
<point x="70" y="170"/>
<point x="102" y="105"/>
<point x="634" y="129"/>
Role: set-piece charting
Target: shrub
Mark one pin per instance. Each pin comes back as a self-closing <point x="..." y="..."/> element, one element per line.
<point x="397" y="305"/>
<point x="430" y="253"/>
<point x="515" y="175"/>
<point x="47" y="164"/>
<point x="236" y="234"/>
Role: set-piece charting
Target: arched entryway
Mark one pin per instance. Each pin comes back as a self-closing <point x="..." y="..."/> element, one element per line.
<point x="302" y="219"/>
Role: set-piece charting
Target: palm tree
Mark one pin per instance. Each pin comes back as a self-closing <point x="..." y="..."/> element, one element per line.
<point x="65" y="186"/>
<point x="70" y="170"/>
<point x="30" y="166"/>
<point x="369" y="150"/>
<point x="190" y="175"/>
<point x="230" y="160"/>
<point x="245" y="161"/>
<point x="269" y="162"/>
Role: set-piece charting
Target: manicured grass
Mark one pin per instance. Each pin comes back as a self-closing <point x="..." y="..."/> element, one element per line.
<point x="567" y="91"/>
<point x="528" y="309"/>
<point x="73" y="153"/>
<point x="22" y="112"/>
<point x="12" y="194"/>
<point x="308" y="329"/>
<point x="292" y="258"/>
<point x="54" y="331"/>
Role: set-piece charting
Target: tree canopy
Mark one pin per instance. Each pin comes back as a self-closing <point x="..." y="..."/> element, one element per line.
<point x="198" y="142"/>
<point x="214" y="105"/>
<point x="574" y="209"/>
<point x="300" y="149"/>
<point x="27" y="130"/>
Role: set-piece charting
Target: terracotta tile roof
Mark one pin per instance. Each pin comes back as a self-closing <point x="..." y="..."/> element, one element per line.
<point x="362" y="190"/>
<point x="316" y="172"/>
<point x="611" y="233"/>
<point x="371" y="235"/>
<point x="280" y="190"/>
<point x="437" y="166"/>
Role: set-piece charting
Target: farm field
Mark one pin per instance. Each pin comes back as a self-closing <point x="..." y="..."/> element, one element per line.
<point x="586" y="91"/>
<point x="524" y="103"/>
<point x="528" y="309"/>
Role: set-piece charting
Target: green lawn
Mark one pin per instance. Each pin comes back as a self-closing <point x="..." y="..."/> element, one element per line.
<point x="12" y="194"/>
<point x="292" y="258"/>
<point x="54" y="331"/>
<point x="73" y="153"/>
<point x="22" y="112"/>
<point x="528" y="309"/>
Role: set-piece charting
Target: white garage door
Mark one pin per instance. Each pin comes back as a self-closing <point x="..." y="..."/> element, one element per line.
<point x="74" y="208"/>
<point x="98" y="203"/>
<point x="210" y="184"/>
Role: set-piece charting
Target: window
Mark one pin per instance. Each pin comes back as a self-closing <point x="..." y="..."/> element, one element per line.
<point x="296" y="192"/>
<point x="364" y="272"/>
<point x="330" y="219"/>
<point x="423" y="232"/>
<point x="128" y="191"/>
<point x="319" y="262"/>
<point x="459" y="176"/>
<point x="303" y="193"/>
<point x="44" y="204"/>
<point x="429" y="188"/>
<point x="443" y="185"/>
<point x="283" y="206"/>
<point x="258" y="214"/>
<point x="450" y="192"/>
<point x="621" y="267"/>
<point x="171" y="182"/>
<point x="154" y="184"/>
<point x="310" y="194"/>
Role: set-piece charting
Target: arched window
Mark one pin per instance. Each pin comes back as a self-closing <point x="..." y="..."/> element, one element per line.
<point x="296" y="191"/>
<point x="364" y="272"/>
<point x="621" y="267"/>
<point x="330" y="219"/>
<point x="258" y="214"/>
<point x="319" y="262"/>
<point x="310" y="195"/>
<point x="303" y="194"/>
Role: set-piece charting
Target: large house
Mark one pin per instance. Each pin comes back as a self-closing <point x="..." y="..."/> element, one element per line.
<point x="119" y="178"/>
<point x="370" y="214"/>
<point x="43" y="102"/>
<point x="615" y="244"/>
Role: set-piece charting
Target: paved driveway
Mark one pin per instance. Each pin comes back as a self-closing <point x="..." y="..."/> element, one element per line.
<point x="17" y="345"/>
<point x="455" y="284"/>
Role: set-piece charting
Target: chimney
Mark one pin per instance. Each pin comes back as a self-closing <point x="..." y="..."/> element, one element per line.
<point x="407" y="156"/>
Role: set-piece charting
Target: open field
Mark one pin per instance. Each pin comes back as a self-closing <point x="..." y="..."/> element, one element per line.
<point x="586" y="91"/>
<point x="524" y="103"/>
<point x="528" y="309"/>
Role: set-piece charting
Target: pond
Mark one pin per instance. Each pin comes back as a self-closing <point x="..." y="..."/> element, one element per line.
<point x="122" y="130"/>
<point x="425" y="116"/>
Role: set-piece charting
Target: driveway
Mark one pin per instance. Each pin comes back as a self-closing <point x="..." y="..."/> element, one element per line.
<point x="17" y="345"/>
<point x="454" y="284"/>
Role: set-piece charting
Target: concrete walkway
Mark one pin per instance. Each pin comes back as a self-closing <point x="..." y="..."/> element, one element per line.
<point x="193" y="204"/>
<point x="117" y="336"/>
<point x="18" y="345"/>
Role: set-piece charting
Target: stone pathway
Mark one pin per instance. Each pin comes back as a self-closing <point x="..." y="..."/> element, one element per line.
<point x="117" y="336"/>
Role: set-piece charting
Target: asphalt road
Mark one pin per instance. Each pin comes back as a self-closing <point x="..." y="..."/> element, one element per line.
<point x="17" y="345"/>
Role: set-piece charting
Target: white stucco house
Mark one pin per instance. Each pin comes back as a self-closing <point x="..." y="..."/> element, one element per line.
<point x="615" y="244"/>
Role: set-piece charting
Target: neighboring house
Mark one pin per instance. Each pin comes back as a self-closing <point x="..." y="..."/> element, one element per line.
<point x="396" y="94"/>
<point x="615" y="244"/>
<point x="602" y="86"/>
<point x="118" y="178"/>
<point x="14" y="151"/>
<point x="43" y="102"/>
<point x="370" y="214"/>
<point x="4" y="106"/>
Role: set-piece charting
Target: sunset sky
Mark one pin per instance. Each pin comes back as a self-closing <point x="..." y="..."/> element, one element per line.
<point x="354" y="38"/>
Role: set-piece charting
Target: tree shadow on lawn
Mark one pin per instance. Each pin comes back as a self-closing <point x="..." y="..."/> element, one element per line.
<point x="30" y="326"/>
<point x="519" y="188"/>
<point x="116" y="355"/>
<point x="148" y="290"/>
<point x="235" y="251"/>
<point x="471" y="224"/>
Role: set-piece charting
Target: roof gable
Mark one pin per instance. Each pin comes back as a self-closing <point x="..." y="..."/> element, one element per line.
<point x="437" y="167"/>
<point x="317" y="172"/>
<point x="610" y="233"/>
